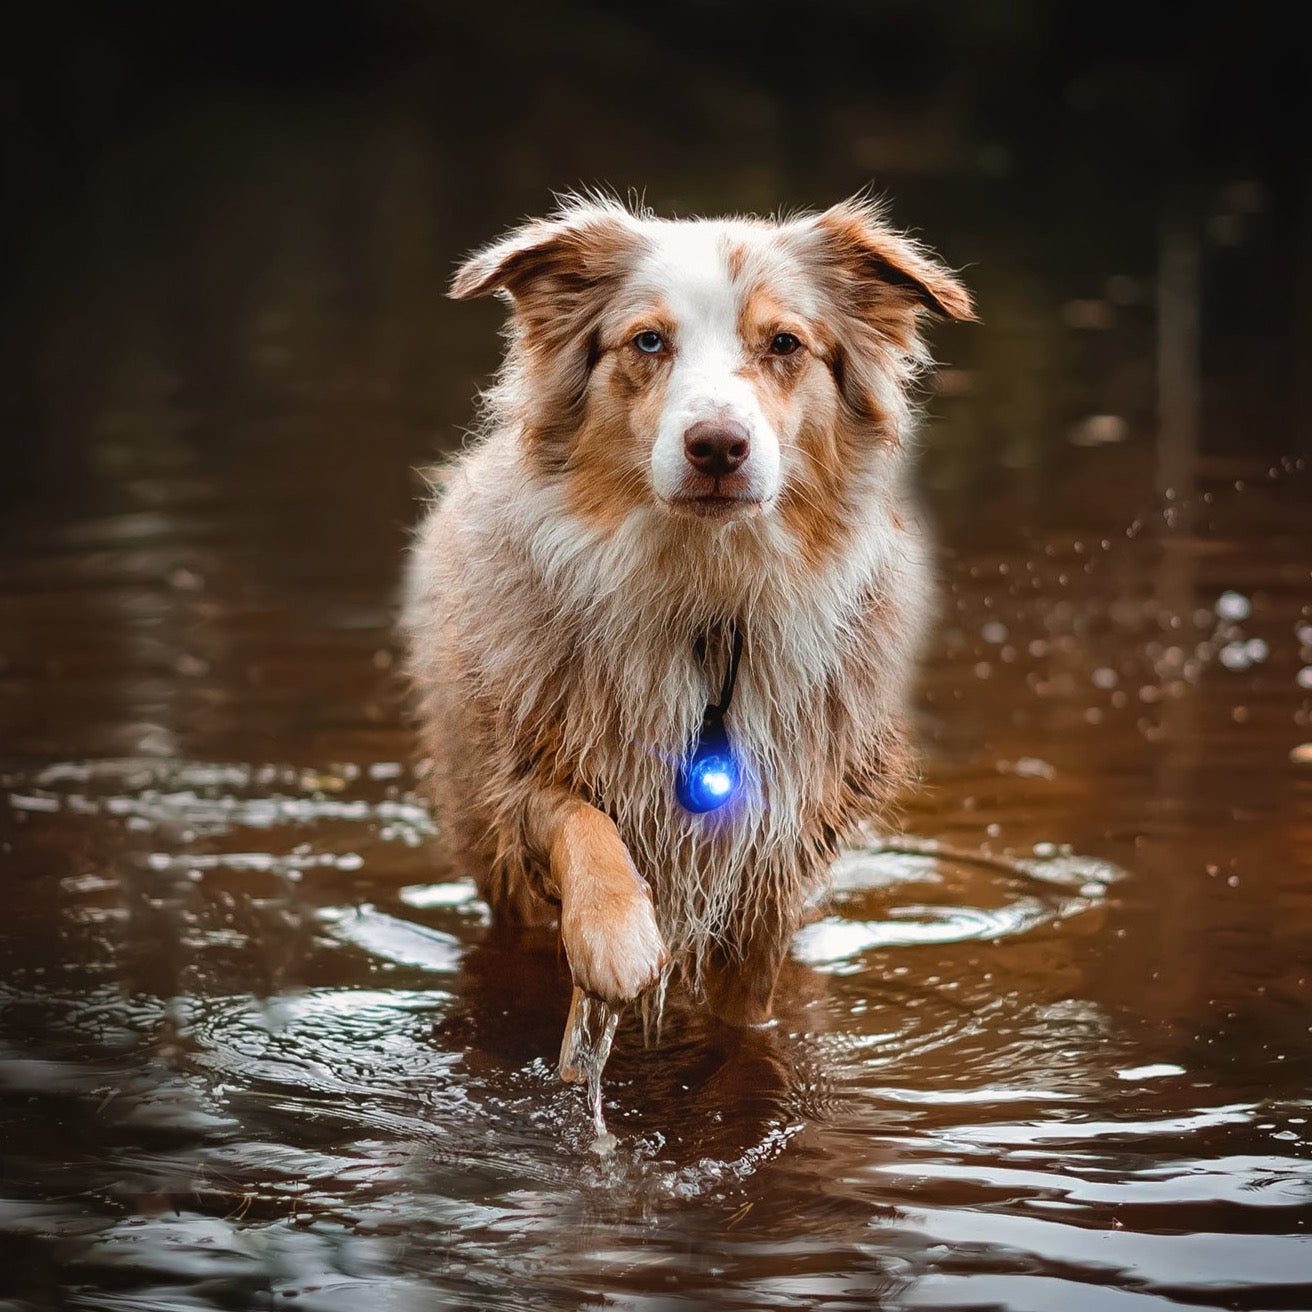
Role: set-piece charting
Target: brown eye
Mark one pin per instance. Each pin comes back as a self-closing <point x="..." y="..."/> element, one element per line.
<point x="784" y="344"/>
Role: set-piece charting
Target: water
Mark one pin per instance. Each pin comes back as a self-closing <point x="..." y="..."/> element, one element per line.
<point x="1049" y="1048"/>
<point x="584" y="1051"/>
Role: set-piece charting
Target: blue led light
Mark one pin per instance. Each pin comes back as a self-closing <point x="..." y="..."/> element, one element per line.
<point x="709" y="778"/>
<point x="715" y="777"/>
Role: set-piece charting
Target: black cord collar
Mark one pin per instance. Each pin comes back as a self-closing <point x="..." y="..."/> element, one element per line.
<point x="718" y="709"/>
<point x="709" y="776"/>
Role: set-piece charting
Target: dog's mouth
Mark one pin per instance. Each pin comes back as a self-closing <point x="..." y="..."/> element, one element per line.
<point x="712" y="499"/>
<point x="716" y="506"/>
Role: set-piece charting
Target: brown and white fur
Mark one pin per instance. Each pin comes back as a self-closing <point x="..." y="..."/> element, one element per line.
<point x="610" y="514"/>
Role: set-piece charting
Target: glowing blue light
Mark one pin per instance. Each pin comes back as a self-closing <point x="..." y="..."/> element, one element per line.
<point x="711" y="777"/>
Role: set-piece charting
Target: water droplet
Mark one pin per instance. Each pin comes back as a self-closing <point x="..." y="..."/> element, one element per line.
<point x="1234" y="656"/>
<point x="1233" y="606"/>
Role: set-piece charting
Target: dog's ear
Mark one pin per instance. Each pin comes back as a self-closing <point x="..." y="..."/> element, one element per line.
<point x="562" y="257"/>
<point x="879" y="283"/>
<point x="507" y="263"/>
<point x="559" y="274"/>
<point x="873" y="265"/>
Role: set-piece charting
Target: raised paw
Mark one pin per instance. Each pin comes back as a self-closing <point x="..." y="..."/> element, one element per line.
<point x="614" y="945"/>
<point x="607" y="920"/>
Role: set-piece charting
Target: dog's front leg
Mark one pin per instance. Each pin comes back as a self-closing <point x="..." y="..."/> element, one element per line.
<point x="607" y="919"/>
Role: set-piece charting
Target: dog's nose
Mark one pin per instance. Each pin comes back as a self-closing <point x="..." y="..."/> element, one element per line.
<point x="715" y="447"/>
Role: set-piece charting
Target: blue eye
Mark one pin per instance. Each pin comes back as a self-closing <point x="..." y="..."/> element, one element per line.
<point x="649" y="343"/>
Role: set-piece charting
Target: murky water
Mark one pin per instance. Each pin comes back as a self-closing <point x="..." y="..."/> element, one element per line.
<point x="260" y="1050"/>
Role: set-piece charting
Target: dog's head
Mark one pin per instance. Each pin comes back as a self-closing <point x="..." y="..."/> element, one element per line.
<point x="715" y="369"/>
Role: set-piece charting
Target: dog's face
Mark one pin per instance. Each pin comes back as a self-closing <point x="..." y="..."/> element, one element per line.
<point x="713" y="369"/>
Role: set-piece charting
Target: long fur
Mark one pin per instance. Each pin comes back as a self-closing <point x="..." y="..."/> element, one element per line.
<point x="551" y="632"/>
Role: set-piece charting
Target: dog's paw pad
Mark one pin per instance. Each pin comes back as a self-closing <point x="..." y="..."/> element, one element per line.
<point x="618" y="955"/>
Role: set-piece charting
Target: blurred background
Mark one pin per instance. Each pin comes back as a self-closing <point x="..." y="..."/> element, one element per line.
<point x="229" y="227"/>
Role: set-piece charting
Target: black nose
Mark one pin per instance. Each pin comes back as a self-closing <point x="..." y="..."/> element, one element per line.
<point x="715" y="447"/>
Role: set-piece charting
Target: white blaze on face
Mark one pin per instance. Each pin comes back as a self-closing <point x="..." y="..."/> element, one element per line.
<point x="686" y="268"/>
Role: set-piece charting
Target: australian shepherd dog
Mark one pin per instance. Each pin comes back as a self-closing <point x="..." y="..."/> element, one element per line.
<point x="689" y="503"/>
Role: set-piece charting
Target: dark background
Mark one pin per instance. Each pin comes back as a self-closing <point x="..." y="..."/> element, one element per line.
<point x="225" y="345"/>
<point x="1058" y="133"/>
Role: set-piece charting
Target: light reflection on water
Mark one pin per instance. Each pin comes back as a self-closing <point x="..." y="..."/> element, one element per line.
<point x="381" y="1118"/>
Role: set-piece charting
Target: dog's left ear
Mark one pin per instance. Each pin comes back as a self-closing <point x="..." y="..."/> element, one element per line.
<point x="874" y="263"/>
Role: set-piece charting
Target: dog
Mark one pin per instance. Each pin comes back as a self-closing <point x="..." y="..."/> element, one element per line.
<point x="688" y="517"/>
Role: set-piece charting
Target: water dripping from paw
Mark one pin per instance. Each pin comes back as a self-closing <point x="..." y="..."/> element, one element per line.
<point x="584" y="1051"/>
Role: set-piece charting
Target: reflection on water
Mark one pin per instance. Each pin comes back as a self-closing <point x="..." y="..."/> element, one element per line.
<point x="258" y="1047"/>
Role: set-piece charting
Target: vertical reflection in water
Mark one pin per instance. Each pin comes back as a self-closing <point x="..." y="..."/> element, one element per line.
<point x="1178" y="386"/>
<point x="1178" y="317"/>
<point x="1300" y="420"/>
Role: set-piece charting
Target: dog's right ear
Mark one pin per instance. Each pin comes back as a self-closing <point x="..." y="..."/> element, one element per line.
<point x="559" y="274"/>
<point x="507" y="263"/>
<point x="561" y="257"/>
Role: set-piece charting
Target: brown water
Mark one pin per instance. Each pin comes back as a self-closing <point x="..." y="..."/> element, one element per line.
<point x="260" y="1050"/>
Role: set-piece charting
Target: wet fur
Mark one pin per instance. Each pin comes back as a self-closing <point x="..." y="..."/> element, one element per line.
<point x="553" y="600"/>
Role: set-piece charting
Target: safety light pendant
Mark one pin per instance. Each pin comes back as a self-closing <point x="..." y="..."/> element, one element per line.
<point x="709" y="777"/>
